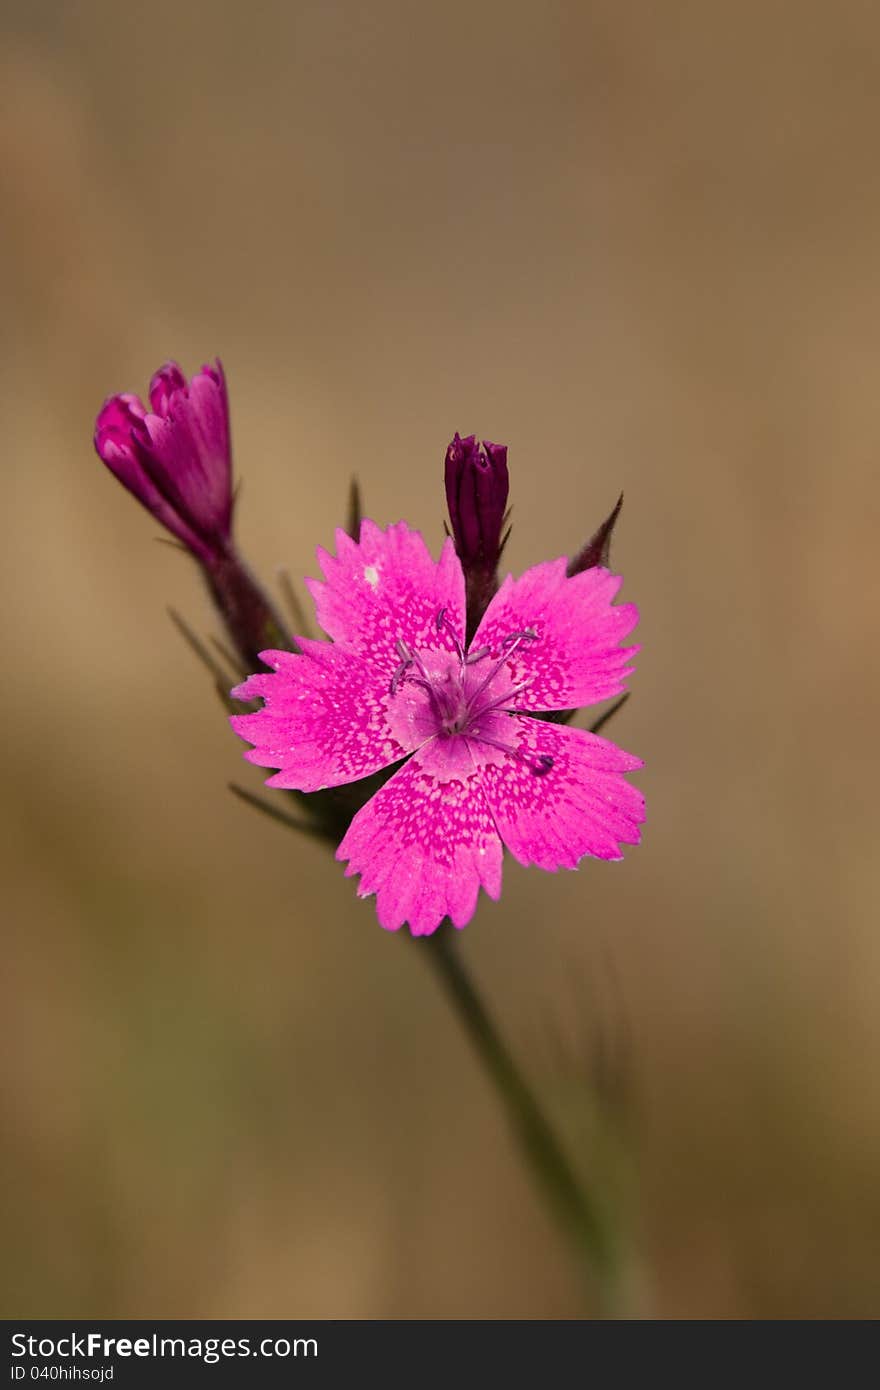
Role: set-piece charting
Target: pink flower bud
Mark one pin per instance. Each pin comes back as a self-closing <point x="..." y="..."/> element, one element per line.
<point x="175" y="458"/>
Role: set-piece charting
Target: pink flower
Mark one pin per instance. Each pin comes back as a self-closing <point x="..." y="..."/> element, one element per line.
<point x="175" y="459"/>
<point x="395" y="682"/>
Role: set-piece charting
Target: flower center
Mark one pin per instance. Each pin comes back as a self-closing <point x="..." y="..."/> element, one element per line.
<point x="461" y="689"/>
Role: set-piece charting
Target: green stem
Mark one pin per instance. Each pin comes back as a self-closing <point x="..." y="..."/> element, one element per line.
<point x="582" y="1217"/>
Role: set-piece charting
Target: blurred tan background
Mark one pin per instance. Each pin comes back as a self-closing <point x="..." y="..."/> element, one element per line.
<point x="638" y="243"/>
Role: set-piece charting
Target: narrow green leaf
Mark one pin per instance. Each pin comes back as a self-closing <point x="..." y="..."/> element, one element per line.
<point x="355" y="510"/>
<point x="301" y="622"/>
<point x="237" y="668"/>
<point x="609" y="713"/>
<point x="215" y="670"/>
<point x="597" y="550"/>
<point x="275" y="813"/>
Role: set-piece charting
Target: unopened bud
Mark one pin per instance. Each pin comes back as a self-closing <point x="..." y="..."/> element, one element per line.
<point x="477" y="485"/>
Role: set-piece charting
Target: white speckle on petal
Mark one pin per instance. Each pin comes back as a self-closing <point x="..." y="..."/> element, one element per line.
<point x="371" y="574"/>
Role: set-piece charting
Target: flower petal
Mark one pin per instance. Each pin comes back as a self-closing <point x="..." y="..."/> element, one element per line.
<point x="425" y="843"/>
<point x="324" y="722"/>
<point x="574" y="659"/>
<point x="561" y="795"/>
<point x="386" y="588"/>
<point x="164" y="383"/>
<point x="186" y="448"/>
<point x="120" y="419"/>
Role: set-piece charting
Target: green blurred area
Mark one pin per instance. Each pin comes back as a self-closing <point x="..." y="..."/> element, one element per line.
<point x="638" y="243"/>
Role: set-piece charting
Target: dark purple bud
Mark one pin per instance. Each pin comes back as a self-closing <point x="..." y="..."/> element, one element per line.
<point x="476" y="493"/>
<point x="597" y="550"/>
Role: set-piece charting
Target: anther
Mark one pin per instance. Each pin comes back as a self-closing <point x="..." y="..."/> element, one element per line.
<point x="527" y="633"/>
<point x="398" y="676"/>
<point x="542" y="765"/>
<point x="406" y="660"/>
<point x="444" y="621"/>
<point x="504" y="701"/>
<point x="508" y="645"/>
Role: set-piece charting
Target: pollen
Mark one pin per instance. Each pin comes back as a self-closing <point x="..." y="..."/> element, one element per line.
<point x="371" y="574"/>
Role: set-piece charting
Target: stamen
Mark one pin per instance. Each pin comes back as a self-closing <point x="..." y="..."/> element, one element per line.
<point x="409" y="658"/>
<point x="444" y="621"/>
<point x="406" y="660"/>
<point x="416" y="656"/>
<point x="518" y="636"/>
<point x="398" y="676"/>
<point x="513" y="639"/>
<point x="540" y="765"/>
<point x="453" y="709"/>
<point x="503" y="701"/>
